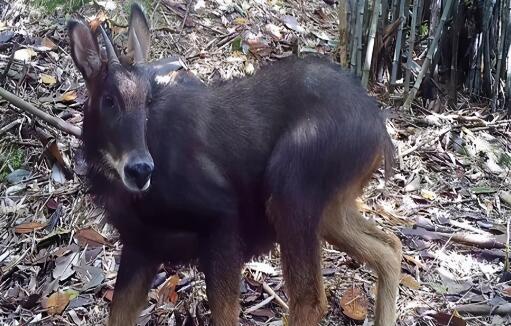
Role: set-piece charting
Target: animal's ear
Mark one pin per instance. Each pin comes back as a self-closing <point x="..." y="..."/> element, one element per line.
<point x="84" y="49"/>
<point x="139" y="38"/>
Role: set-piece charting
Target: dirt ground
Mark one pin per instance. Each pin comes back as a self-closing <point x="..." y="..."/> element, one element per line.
<point x="449" y="200"/>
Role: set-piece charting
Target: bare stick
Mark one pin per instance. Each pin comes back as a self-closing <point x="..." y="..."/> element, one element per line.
<point x="429" y="57"/>
<point x="54" y="121"/>
<point x="272" y="293"/>
<point x="481" y="309"/>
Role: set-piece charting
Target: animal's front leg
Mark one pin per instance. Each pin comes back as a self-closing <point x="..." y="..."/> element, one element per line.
<point x="136" y="271"/>
<point x="221" y="263"/>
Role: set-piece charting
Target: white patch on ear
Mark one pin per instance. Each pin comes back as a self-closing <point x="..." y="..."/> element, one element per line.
<point x="168" y="79"/>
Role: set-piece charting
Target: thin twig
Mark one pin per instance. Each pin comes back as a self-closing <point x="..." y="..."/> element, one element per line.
<point x="9" y="63"/>
<point x="188" y="5"/>
<point x="54" y="121"/>
<point x="10" y="125"/>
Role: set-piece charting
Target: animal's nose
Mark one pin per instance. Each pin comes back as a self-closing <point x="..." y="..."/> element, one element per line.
<point x="139" y="172"/>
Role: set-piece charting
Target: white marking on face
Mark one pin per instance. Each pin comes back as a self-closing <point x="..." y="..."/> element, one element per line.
<point x="118" y="165"/>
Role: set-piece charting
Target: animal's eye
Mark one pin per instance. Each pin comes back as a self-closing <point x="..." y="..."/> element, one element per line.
<point x="108" y="101"/>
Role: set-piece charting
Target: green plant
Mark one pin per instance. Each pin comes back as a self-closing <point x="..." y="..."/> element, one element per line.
<point x="52" y="5"/>
<point x="12" y="157"/>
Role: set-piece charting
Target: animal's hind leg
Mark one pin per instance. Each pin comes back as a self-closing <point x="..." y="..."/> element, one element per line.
<point x="344" y="227"/>
<point x="300" y="256"/>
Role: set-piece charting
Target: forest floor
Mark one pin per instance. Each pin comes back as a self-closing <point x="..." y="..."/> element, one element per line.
<point x="449" y="200"/>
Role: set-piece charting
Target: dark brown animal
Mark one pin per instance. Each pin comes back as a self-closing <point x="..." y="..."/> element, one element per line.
<point x="220" y="173"/>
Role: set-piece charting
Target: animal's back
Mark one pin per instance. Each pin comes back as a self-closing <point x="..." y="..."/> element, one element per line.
<point x="335" y="135"/>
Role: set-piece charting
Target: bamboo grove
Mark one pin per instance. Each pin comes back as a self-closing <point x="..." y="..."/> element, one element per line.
<point x="430" y="48"/>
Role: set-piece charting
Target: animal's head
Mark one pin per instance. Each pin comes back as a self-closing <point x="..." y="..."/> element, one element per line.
<point x="116" y="114"/>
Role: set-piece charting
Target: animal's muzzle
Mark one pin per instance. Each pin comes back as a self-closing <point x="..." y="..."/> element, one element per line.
<point x="138" y="171"/>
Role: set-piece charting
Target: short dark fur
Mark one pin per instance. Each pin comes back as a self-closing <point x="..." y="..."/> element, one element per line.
<point x="238" y="166"/>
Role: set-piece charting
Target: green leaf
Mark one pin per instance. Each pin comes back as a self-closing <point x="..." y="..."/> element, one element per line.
<point x="483" y="190"/>
<point x="236" y="44"/>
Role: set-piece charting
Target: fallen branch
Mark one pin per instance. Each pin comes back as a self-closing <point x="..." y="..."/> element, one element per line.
<point x="270" y="291"/>
<point x="54" y="121"/>
<point x="478" y="240"/>
<point x="483" y="309"/>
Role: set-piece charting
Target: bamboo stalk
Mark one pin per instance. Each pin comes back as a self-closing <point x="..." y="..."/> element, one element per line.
<point x="378" y="56"/>
<point x="355" y="37"/>
<point x="479" y="60"/>
<point x="488" y="10"/>
<point x="459" y="17"/>
<point x="351" y="17"/>
<point x="397" y="50"/>
<point x="343" y="33"/>
<point x="508" y="68"/>
<point x="429" y="56"/>
<point x="360" y="35"/>
<point x="500" y="51"/>
<point x="419" y="15"/>
<point x="411" y="45"/>
<point x="370" y="42"/>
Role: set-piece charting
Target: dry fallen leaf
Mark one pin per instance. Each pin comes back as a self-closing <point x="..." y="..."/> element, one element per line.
<point x="57" y="302"/>
<point x="68" y="96"/>
<point x="48" y="79"/>
<point x="240" y="21"/>
<point x="168" y="290"/>
<point x="354" y="304"/>
<point x="507" y="291"/>
<point x="28" y="227"/>
<point x="47" y="42"/>
<point x="446" y="319"/>
<point x="292" y="23"/>
<point x="109" y="293"/>
<point x="428" y="194"/>
<point x="408" y="281"/>
<point x="24" y="54"/>
<point x="98" y="20"/>
<point x="90" y="237"/>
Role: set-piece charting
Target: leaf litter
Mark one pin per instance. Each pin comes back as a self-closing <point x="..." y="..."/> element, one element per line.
<point x="449" y="201"/>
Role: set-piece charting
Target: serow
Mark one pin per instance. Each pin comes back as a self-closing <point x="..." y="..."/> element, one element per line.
<point x="217" y="174"/>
